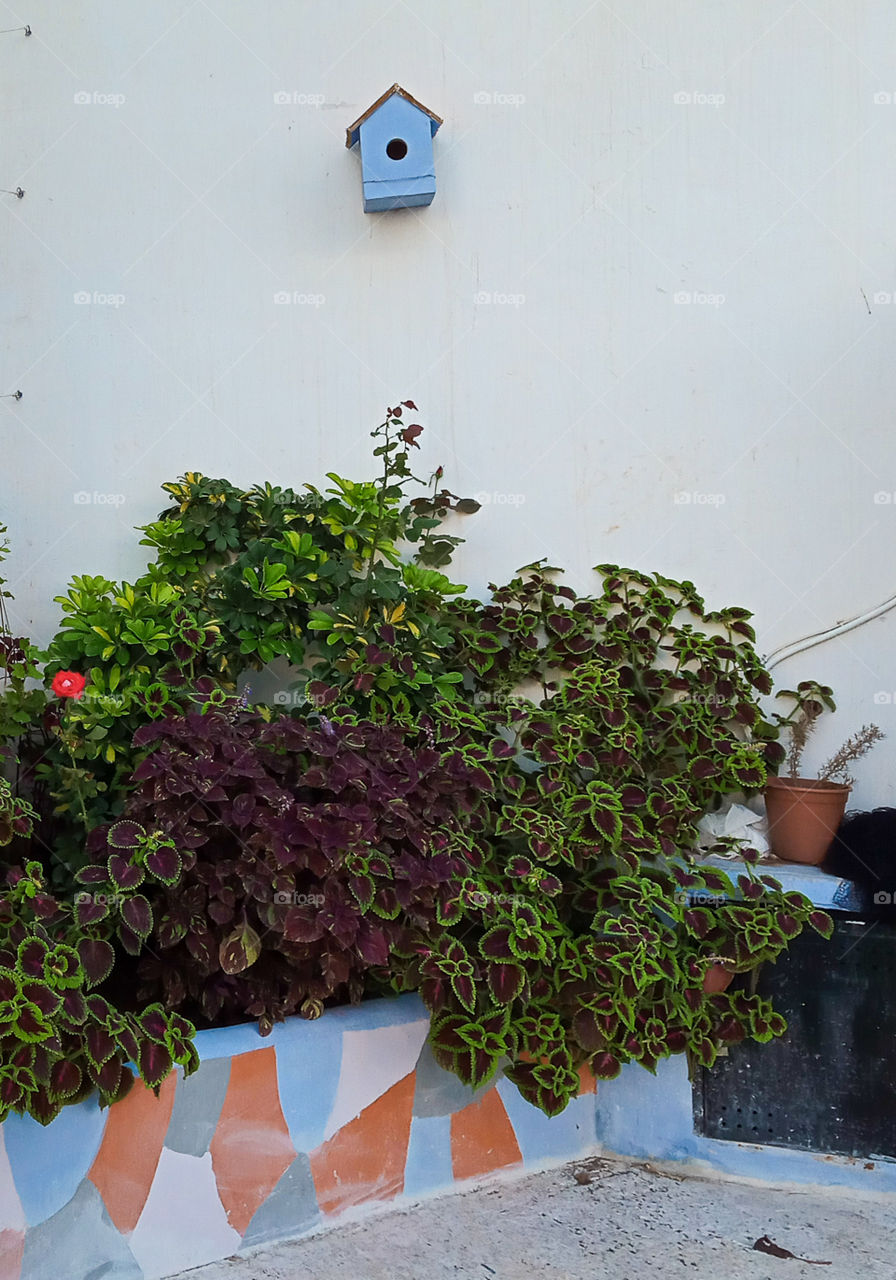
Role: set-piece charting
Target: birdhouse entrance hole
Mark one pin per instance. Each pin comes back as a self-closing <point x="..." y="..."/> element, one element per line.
<point x="397" y="149"/>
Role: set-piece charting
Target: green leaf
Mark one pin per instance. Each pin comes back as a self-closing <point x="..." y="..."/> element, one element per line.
<point x="239" y="950"/>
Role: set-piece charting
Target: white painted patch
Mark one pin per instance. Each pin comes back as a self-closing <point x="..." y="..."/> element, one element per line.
<point x="183" y="1223"/>
<point x="372" y="1062"/>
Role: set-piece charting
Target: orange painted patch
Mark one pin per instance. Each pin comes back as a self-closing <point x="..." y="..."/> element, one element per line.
<point x="587" y="1082"/>
<point x="126" y="1162"/>
<point x="12" y="1247"/>
<point x="365" y="1160"/>
<point x="251" y="1148"/>
<point x="482" y="1138"/>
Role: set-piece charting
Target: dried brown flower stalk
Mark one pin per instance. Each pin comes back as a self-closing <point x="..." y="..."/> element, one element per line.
<point x="854" y="748"/>
<point x="801" y="730"/>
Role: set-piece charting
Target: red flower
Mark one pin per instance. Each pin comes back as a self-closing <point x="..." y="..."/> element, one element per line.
<point x="69" y="684"/>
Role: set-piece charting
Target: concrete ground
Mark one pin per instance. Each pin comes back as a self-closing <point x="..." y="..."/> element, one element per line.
<point x="597" y="1220"/>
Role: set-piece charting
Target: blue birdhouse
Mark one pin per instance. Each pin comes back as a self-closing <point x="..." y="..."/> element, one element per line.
<point x="397" y="167"/>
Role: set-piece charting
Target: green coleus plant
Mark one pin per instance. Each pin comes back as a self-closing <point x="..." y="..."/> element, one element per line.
<point x="61" y="1037"/>
<point x="585" y="930"/>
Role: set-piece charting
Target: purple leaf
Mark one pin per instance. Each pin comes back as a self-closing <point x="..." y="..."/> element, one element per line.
<point x="126" y="835"/>
<point x="137" y="915"/>
<point x="164" y="863"/>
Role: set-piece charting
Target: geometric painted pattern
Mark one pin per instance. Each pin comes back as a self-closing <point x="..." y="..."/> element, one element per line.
<point x="270" y="1138"/>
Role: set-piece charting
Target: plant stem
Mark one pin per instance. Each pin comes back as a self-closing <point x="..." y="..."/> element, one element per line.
<point x="78" y="789"/>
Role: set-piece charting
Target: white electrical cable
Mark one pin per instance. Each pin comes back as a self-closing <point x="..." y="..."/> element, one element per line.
<point x="786" y="651"/>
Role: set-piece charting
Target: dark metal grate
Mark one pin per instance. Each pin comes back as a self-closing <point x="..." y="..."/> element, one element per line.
<point x="830" y="1083"/>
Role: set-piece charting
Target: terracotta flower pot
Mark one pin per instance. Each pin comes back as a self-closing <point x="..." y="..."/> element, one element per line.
<point x="803" y="817"/>
<point x="716" y="979"/>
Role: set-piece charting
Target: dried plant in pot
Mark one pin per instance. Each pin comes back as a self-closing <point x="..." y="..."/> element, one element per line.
<point x="804" y="813"/>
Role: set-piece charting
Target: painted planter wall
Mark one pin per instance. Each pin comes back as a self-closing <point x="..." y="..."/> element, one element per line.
<point x="270" y="1139"/>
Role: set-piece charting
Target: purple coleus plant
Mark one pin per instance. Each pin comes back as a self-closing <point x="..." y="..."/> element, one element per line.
<point x="297" y="853"/>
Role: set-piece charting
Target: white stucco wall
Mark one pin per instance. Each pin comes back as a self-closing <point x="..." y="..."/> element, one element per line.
<point x="572" y="177"/>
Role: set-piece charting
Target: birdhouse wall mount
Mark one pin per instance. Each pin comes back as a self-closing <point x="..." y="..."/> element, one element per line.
<point x="395" y="136"/>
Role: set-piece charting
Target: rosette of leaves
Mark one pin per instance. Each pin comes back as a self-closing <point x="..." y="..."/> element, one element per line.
<point x="61" y="1039"/>
<point x="131" y="862"/>
<point x="303" y="847"/>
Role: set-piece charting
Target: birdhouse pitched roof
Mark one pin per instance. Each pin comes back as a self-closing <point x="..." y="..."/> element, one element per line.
<point x="352" y="133"/>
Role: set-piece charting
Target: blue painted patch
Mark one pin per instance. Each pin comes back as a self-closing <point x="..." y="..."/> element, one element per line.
<point x="647" y="1116"/>
<point x="571" y="1133"/>
<point x="826" y="891"/>
<point x="428" y="1166"/>
<point x="388" y="1012"/>
<point x="783" y="1164"/>
<point x="49" y="1163"/>
<point x="226" y="1042"/>
<point x="652" y="1118"/>
<point x="289" y="1211"/>
<point x="309" y="1058"/>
